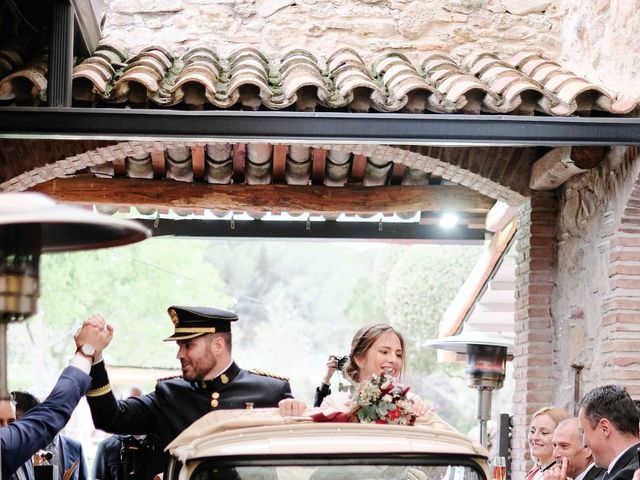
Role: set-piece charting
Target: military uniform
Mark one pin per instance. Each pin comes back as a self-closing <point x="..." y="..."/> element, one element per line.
<point x="176" y="403"/>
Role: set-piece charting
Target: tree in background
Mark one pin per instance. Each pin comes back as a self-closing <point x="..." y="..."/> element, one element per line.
<point x="410" y="288"/>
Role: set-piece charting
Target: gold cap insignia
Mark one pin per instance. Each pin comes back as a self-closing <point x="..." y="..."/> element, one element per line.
<point x="224" y="378"/>
<point x="174" y="317"/>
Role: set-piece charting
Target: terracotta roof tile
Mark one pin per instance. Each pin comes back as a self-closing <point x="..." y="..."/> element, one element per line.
<point x="476" y="82"/>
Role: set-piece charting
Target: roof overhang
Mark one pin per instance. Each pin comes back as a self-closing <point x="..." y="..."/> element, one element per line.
<point x="303" y="127"/>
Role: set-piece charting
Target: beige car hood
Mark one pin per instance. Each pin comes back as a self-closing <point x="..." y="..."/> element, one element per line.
<point x="267" y="432"/>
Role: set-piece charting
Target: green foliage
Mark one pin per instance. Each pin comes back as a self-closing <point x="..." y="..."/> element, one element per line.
<point x="131" y="287"/>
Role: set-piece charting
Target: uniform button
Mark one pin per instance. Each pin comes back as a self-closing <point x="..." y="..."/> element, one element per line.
<point x="215" y="395"/>
<point x="214" y="403"/>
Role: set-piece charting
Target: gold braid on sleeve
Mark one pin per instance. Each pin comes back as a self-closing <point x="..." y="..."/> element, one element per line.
<point x="98" y="392"/>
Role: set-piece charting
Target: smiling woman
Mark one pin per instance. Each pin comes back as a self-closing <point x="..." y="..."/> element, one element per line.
<point x="543" y="424"/>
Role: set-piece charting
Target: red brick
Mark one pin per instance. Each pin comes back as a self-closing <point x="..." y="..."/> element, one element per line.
<point x="541" y="264"/>
<point x="539" y="241"/>
<point x="626" y="283"/>
<point x="626" y="361"/>
<point x="620" y="346"/>
<point x="624" y="269"/>
<point x="542" y="230"/>
<point x="617" y="318"/>
<point x="626" y="241"/>
<point x="624" y="255"/>
<point x="621" y="304"/>
<point x="539" y="348"/>
<point x="537" y="336"/>
<point x="541" y="252"/>
<point x="540" y="288"/>
<point x="626" y="374"/>
<point x="539" y="323"/>
<point x="538" y="300"/>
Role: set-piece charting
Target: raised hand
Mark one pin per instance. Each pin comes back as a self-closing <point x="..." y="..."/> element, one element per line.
<point x="558" y="471"/>
<point x="332" y="366"/>
<point x="94" y="331"/>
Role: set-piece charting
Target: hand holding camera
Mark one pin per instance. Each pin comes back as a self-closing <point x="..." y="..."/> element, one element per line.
<point x="334" y="363"/>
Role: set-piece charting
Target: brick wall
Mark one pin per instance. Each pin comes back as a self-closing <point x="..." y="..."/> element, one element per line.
<point x="533" y="350"/>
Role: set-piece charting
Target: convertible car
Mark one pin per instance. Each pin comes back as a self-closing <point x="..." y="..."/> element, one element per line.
<point x="261" y="444"/>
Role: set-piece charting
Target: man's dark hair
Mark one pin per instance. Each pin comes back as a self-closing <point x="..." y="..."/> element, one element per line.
<point x="613" y="403"/>
<point x="24" y="401"/>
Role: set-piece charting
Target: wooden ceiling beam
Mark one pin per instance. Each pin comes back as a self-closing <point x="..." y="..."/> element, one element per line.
<point x="261" y="198"/>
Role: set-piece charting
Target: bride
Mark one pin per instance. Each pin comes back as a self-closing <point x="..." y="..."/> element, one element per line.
<point x="375" y="349"/>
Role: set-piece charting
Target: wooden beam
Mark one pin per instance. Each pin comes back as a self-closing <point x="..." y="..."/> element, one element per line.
<point x="465" y="299"/>
<point x="560" y="164"/>
<point x="262" y="198"/>
<point x="499" y="216"/>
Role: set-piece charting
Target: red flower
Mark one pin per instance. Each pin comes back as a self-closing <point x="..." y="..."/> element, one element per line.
<point x="393" y="414"/>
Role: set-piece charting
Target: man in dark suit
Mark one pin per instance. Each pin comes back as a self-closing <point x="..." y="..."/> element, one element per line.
<point x="22" y="438"/>
<point x="67" y="452"/>
<point x="210" y="380"/>
<point x="573" y="459"/>
<point x="122" y="457"/>
<point x="609" y="421"/>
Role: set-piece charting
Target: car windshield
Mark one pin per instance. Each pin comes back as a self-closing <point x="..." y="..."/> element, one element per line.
<point x="337" y="470"/>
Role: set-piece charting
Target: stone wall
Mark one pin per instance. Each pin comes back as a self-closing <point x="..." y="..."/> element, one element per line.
<point x="600" y="40"/>
<point x="322" y="26"/>
<point x="596" y="318"/>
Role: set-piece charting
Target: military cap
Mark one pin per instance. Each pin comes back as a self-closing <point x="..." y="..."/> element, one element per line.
<point x="191" y="322"/>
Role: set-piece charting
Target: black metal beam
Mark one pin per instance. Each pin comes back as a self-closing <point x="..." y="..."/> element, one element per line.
<point x="316" y="230"/>
<point x="325" y="127"/>
<point x="60" y="55"/>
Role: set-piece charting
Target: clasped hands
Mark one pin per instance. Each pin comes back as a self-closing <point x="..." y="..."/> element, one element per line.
<point x="94" y="331"/>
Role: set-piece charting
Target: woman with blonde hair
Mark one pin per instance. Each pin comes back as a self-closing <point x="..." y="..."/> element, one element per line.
<point x="543" y="424"/>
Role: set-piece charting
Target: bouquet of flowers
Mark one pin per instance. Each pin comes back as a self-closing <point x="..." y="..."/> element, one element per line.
<point x="381" y="399"/>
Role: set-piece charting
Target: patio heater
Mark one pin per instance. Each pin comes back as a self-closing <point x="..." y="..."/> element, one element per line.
<point x="30" y="224"/>
<point x="486" y="355"/>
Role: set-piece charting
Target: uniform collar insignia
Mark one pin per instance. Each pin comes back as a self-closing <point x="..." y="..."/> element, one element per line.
<point x="221" y="381"/>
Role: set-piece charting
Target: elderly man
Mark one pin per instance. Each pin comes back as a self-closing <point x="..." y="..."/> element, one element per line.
<point x="20" y="439"/>
<point x="573" y="458"/>
<point x="609" y="421"/>
<point x="211" y="380"/>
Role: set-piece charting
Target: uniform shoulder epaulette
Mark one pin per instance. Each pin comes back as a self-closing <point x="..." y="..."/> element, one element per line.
<point x="168" y="378"/>
<point x="264" y="373"/>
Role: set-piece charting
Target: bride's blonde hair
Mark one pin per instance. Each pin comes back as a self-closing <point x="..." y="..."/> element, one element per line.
<point x="361" y="344"/>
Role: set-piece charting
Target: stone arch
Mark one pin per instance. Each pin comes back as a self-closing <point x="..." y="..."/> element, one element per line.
<point x="474" y="168"/>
